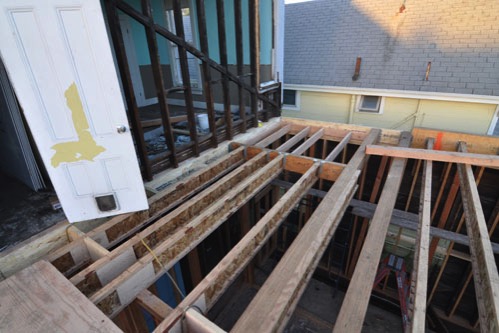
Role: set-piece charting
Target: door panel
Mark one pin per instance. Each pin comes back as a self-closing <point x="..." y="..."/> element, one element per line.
<point x="58" y="58"/>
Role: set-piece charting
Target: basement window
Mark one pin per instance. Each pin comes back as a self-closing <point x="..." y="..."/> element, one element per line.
<point x="290" y="99"/>
<point x="370" y="104"/>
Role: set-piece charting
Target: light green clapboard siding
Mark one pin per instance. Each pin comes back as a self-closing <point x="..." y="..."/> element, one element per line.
<point x="321" y="106"/>
<point x="472" y="118"/>
<point x="398" y="113"/>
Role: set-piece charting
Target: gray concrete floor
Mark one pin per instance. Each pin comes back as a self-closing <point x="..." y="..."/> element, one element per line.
<point x="23" y="212"/>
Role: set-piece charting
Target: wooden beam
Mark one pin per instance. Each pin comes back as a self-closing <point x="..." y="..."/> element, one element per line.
<point x="221" y="277"/>
<point x="273" y="137"/>
<point x="490" y="161"/>
<point x="207" y="88"/>
<point x="300" y="164"/>
<point x="294" y="140"/>
<point x="196" y="322"/>
<point x="478" y="144"/>
<point x="106" y="269"/>
<point x="122" y="226"/>
<point x="222" y="47"/>
<point x="158" y="309"/>
<point x="363" y="230"/>
<point x="159" y="121"/>
<point x="276" y="300"/>
<point x="309" y="143"/>
<point x="267" y="130"/>
<point x="493" y="221"/>
<point x="399" y="218"/>
<point x="485" y="273"/>
<point x="336" y="131"/>
<point x="124" y="288"/>
<point x="354" y="307"/>
<point x="337" y="150"/>
<point x="419" y="276"/>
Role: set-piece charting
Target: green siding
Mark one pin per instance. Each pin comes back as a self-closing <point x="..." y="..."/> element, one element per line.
<point x="398" y="113"/>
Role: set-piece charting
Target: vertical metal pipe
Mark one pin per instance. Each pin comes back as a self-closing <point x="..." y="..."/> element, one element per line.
<point x="254" y="25"/>
<point x="222" y="44"/>
<point x="208" y="92"/>
<point x="240" y="59"/>
<point x="184" y="68"/>
<point x="119" y="48"/>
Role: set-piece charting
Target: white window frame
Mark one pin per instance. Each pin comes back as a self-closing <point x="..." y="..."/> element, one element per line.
<point x="493" y="124"/>
<point x="173" y="51"/>
<point x="295" y="107"/>
<point x="381" y="105"/>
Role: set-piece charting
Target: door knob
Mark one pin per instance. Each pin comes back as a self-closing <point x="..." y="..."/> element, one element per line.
<point x="121" y="129"/>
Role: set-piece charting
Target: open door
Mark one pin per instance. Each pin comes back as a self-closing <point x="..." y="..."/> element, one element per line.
<point x="59" y="61"/>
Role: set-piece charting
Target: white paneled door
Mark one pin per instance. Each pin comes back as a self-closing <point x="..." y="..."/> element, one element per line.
<point x="58" y="58"/>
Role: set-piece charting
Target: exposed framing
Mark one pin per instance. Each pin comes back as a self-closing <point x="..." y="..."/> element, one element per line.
<point x="182" y="216"/>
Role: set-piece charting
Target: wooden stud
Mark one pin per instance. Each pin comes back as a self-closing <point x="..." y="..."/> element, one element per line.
<point x="254" y="28"/>
<point x="354" y="307"/>
<point x="126" y="78"/>
<point x="280" y="293"/>
<point x="222" y="45"/>
<point x="238" y="21"/>
<point x="207" y="88"/>
<point x="159" y="83"/>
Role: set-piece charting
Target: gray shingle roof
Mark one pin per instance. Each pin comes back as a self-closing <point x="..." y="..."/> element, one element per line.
<point x="323" y="38"/>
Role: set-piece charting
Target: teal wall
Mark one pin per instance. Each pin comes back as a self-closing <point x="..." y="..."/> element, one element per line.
<point x="230" y="30"/>
<point x="142" y="51"/>
<point x="139" y="35"/>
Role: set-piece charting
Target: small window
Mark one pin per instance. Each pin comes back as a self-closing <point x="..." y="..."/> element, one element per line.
<point x="370" y="104"/>
<point x="290" y="98"/>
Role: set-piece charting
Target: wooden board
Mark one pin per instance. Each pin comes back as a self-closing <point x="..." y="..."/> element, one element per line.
<point x="276" y="300"/>
<point x="432" y="155"/>
<point x="485" y="273"/>
<point x="336" y="132"/>
<point x="354" y="307"/>
<point x="40" y="299"/>
<point x="478" y="144"/>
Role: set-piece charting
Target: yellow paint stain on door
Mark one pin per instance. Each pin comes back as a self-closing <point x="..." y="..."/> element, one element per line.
<point x="85" y="148"/>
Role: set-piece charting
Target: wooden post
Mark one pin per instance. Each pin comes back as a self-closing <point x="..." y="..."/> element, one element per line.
<point x="485" y="273"/>
<point x="240" y="60"/>
<point x="208" y="91"/>
<point x="222" y="44"/>
<point x="419" y="276"/>
<point x="186" y="80"/>
<point x="354" y="307"/>
<point x="126" y="78"/>
<point x="254" y="28"/>
<point x="158" y="82"/>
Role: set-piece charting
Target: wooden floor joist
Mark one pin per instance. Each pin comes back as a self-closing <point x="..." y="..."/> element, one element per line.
<point x="279" y="295"/>
<point x="146" y="244"/>
<point x="419" y="276"/>
<point x="354" y="307"/>
<point x="485" y="273"/>
<point x="107" y="268"/>
<point x="124" y="288"/>
<point x="211" y="288"/>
